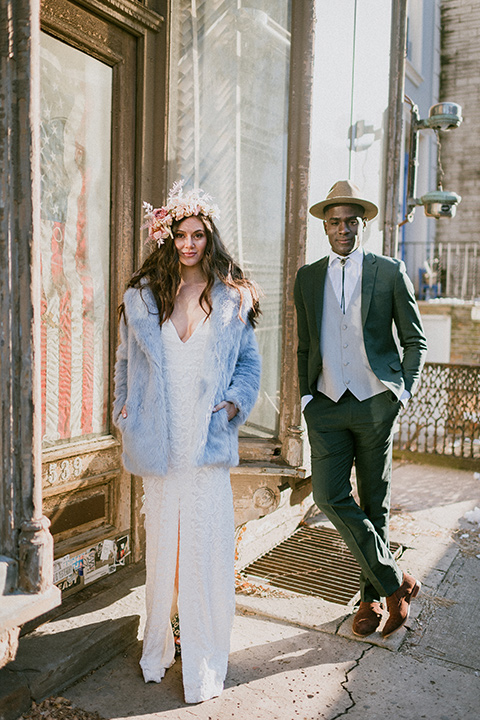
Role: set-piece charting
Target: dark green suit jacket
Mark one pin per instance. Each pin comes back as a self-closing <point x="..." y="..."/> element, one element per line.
<point x="387" y="298"/>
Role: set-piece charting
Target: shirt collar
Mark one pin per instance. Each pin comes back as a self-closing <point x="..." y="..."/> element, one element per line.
<point x="356" y="256"/>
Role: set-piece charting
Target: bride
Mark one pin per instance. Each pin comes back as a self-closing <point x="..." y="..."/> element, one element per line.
<point x="187" y="376"/>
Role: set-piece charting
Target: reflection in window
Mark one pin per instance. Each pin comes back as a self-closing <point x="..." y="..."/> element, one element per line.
<point x="76" y="97"/>
<point x="228" y="135"/>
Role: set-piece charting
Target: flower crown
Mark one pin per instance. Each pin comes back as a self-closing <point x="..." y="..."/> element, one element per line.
<point x="179" y="205"/>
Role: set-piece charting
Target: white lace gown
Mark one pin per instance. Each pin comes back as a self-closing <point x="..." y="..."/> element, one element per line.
<point x="191" y="509"/>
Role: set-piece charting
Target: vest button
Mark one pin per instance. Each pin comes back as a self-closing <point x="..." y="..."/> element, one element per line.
<point x="344" y="327"/>
<point x="346" y="363"/>
<point x="347" y="382"/>
<point x="346" y="345"/>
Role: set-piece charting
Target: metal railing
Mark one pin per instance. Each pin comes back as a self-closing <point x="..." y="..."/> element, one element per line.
<point x="443" y="417"/>
<point x="450" y="270"/>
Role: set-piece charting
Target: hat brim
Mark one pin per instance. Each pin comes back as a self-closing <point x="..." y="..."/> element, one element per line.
<point x="318" y="210"/>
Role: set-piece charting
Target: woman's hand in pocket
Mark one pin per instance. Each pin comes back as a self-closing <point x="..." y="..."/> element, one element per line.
<point x="231" y="409"/>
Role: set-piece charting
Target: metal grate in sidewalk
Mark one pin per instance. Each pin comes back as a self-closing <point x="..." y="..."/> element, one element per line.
<point x="312" y="561"/>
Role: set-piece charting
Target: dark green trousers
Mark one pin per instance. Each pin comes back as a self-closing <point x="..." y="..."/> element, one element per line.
<point x="340" y="434"/>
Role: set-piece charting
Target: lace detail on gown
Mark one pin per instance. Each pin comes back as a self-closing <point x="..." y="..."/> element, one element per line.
<point x="199" y="501"/>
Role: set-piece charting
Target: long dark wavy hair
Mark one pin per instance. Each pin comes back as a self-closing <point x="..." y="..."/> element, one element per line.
<point x="161" y="273"/>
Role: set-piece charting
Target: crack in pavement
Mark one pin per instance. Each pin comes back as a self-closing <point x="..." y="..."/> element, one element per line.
<point x="345" y="682"/>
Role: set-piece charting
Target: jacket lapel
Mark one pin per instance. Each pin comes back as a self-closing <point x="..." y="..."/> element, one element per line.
<point x="226" y="304"/>
<point x="142" y="320"/>
<point x="369" y="273"/>
<point x="319" y="290"/>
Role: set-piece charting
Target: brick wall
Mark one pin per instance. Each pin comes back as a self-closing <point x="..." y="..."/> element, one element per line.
<point x="465" y="329"/>
<point x="460" y="82"/>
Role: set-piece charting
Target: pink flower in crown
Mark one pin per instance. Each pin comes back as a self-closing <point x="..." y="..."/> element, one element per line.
<point x="160" y="236"/>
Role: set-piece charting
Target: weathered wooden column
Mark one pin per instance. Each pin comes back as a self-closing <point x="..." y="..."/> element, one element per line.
<point x="395" y="151"/>
<point x="25" y="541"/>
<point x="299" y="127"/>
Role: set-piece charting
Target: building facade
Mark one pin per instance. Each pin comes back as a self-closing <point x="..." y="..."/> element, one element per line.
<point x="460" y="72"/>
<point x="248" y="99"/>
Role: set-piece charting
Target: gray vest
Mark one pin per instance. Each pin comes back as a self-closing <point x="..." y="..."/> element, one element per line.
<point x="345" y="363"/>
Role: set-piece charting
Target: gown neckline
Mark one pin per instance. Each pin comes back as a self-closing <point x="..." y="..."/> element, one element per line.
<point x="184" y="342"/>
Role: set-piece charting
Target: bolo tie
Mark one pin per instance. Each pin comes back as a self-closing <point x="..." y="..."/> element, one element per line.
<point x="342" y="301"/>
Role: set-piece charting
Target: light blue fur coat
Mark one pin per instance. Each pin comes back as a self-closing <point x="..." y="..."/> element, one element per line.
<point x="232" y="373"/>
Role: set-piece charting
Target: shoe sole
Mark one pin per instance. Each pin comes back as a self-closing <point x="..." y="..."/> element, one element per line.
<point x="413" y="594"/>
<point x="357" y="634"/>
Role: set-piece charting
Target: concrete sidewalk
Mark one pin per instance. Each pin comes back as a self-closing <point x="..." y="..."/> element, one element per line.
<point x="295" y="656"/>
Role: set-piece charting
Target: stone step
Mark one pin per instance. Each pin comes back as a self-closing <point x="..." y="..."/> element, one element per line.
<point x="62" y="651"/>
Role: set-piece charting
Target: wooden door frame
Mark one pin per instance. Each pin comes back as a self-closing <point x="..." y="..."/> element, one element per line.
<point x="296" y="214"/>
<point x="132" y="40"/>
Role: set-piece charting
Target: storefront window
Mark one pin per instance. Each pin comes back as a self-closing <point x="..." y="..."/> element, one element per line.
<point x="228" y="135"/>
<point x="76" y="100"/>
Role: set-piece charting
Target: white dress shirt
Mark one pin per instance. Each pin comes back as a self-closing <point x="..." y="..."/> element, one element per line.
<point x="353" y="271"/>
<point x="353" y="274"/>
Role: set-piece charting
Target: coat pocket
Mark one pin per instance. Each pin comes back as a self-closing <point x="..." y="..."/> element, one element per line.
<point x="222" y="441"/>
<point x="219" y="421"/>
<point x="395" y="365"/>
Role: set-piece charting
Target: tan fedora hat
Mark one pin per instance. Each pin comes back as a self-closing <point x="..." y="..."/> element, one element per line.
<point x="344" y="192"/>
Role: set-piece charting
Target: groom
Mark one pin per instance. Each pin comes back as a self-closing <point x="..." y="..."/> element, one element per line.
<point x="353" y="382"/>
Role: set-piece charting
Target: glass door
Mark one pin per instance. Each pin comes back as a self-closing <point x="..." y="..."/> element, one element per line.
<point x="230" y="64"/>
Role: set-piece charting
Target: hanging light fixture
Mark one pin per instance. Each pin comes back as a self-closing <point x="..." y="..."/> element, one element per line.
<point x="438" y="203"/>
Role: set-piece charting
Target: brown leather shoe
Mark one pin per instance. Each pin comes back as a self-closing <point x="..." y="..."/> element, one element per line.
<point x="398" y="604"/>
<point x="367" y="619"/>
